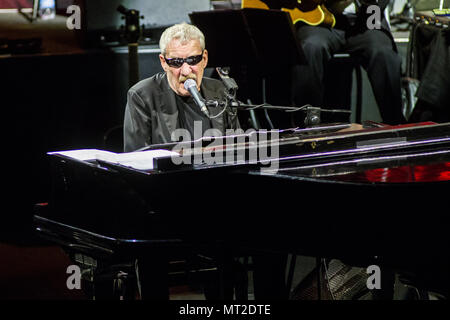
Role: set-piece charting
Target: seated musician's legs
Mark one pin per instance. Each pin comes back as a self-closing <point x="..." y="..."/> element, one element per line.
<point x="383" y="66"/>
<point x="318" y="45"/>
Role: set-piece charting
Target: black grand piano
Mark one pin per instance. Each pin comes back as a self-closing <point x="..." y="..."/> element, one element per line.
<point x="365" y="194"/>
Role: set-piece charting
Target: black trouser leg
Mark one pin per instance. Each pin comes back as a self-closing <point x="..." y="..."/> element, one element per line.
<point x="383" y="66"/>
<point x="375" y="50"/>
<point x="318" y="45"/>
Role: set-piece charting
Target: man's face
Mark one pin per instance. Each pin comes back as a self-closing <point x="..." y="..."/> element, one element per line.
<point x="177" y="76"/>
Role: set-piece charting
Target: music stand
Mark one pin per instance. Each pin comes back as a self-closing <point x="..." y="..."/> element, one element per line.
<point x="264" y="39"/>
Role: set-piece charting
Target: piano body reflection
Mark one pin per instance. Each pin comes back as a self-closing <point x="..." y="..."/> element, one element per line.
<point x="374" y="195"/>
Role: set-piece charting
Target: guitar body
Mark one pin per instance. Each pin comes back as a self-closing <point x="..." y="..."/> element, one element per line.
<point x="311" y="12"/>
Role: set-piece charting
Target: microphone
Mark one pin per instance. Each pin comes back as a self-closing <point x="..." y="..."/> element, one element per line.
<point x="191" y="86"/>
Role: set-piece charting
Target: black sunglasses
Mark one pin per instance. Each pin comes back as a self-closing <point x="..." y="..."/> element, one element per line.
<point x="178" y="62"/>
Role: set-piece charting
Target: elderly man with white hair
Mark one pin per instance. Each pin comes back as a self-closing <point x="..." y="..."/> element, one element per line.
<point x="155" y="108"/>
<point x="160" y="104"/>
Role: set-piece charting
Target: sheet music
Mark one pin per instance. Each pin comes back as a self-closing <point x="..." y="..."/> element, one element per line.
<point x="87" y="154"/>
<point x="141" y="160"/>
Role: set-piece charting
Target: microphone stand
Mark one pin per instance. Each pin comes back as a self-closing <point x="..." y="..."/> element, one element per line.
<point x="313" y="114"/>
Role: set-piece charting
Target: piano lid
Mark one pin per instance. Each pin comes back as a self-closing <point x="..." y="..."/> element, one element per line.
<point x="417" y="166"/>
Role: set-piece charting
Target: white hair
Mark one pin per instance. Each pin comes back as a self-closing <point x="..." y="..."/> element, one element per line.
<point x="183" y="32"/>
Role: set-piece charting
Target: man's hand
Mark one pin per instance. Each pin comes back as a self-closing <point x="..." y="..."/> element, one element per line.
<point x="337" y="6"/>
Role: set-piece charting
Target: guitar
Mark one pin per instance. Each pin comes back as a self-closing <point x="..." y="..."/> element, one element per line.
<point x="312" y="12"/>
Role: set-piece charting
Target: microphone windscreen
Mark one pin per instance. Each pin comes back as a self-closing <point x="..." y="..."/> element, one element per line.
<point x="189" y="83"/>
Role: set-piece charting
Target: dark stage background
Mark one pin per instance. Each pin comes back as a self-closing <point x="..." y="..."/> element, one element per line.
<point x="68" y="93"/>
<point x="66" y="89"/>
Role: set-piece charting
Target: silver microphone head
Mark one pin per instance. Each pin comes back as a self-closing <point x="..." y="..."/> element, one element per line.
<point x="189" y="83"/>
<point x="191" y="86"/>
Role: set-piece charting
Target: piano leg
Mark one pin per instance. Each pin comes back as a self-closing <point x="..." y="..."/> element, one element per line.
<point x="270" y="276"/>
<point x="231" y="280"/>
<point x="319" y="280"/>
<point x="152" y="277"/>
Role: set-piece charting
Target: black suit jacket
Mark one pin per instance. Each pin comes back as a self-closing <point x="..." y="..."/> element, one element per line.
<point x="151" y="113"/>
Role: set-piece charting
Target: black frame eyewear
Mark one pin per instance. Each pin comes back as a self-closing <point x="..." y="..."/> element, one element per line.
<point x="178" y="62"/>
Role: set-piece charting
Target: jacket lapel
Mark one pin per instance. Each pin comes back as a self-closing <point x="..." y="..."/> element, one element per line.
<point x="168" y="105"/>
